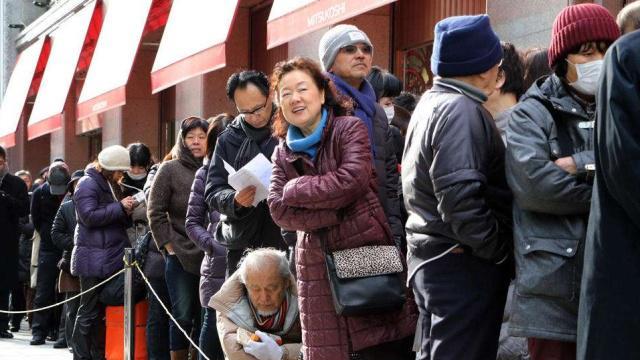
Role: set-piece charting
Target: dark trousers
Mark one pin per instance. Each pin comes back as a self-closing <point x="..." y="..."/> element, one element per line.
<point x="70" y="313"/>
<point x="4" y="305"/>
<point x="185" y="303"/>
<point x="18" y="303"/>
<point x="45" y="321"/>
<point x="397" y="350"/>
<point x="209" y="340"/>
<point x="465" y="297"/>
<point x="158" y="322"/>
<point x="89" y="332"/>
<point x="543" y="349"/>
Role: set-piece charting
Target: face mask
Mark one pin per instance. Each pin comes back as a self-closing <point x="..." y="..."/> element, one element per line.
<point x="140" y="176"/>
<point x="390" y="111"/>
<point x="588" y="74"/>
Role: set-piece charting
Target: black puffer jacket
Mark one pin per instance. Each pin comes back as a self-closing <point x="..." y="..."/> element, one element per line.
<point x="453" y="177"/>
<point x="44" y="207"/>
<point x="239" y="228"/>
<point x="64" y="225"/>
<point x="551" y="208"/>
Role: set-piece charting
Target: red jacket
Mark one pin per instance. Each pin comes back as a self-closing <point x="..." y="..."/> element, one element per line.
<point x="335" y="198"/>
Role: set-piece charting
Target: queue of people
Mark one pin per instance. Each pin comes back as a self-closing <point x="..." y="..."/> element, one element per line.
<point x="506" y="202"/>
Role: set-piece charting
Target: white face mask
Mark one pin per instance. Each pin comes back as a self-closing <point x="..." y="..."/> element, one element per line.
<point x="137" y="177"/>
<point x="588" y="74"/>
<point x="390" y="111"/>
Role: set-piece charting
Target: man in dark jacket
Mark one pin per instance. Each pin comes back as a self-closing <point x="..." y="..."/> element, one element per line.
<point x="459" y="205"/>
<point x="44" y="206"/>
<point x="14" y="203"/>
<point x="608" y="318"/>
<point x="346" y="53"/>
<point x="243" y="225"/>
<point x="64" y="226"/>
<point x="550" y="171"/>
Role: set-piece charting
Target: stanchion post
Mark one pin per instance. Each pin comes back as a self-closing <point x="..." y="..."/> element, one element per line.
<point x="129" y="307"/>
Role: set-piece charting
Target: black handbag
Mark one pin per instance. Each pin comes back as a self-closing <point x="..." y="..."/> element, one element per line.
<point x="366" y="280"/>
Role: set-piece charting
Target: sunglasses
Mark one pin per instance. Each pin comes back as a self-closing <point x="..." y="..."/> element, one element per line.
<point x="352" y="49"/>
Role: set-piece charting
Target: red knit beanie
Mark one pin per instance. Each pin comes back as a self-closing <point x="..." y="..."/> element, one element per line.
<point x="579" y="24"/>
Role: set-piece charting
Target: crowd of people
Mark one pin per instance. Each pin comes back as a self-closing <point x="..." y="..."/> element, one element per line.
<point x="505" y="194"/>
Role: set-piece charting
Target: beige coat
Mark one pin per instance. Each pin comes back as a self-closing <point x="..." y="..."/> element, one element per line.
<point x="233" y="312"/>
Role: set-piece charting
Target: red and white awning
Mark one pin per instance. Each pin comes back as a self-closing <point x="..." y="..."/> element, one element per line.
<point x="290" y="19"/>
<point x="193" y="42"/>
<point x="16" y="94"/>
<point x="104" y="86"/>
<point x="67" y="42"/>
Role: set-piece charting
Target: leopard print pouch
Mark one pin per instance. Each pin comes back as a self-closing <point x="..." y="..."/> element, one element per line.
<point x="367" y="261"/>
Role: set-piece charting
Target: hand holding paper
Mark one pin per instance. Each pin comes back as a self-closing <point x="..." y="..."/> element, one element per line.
<point x="256" y="173"/>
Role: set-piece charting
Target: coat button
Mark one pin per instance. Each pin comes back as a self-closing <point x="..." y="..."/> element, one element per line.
<point x="569" y="250"/>
<point x="574" y="110"/>
<point x="528" y="247"/>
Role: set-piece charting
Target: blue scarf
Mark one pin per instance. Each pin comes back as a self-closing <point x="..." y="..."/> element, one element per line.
<point x="297" y="142"/>
<point x="365" y="103"/>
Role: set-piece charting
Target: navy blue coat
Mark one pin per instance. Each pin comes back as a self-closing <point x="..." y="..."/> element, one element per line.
<point x="100" y="236"/>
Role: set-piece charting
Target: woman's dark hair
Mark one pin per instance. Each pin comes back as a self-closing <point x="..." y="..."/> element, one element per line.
<point x="513" y="71"/>
<point x="140" y="155"/>
<point x="3" y="153"/>
<point x="193" y="122"/>
<point x="241" y="79"/>
<point x="536" y="65"/>
<point x="560" y="67"/>
<point x="406" y="100"/>
<point x="384" y="83"/>
<point x="216" y="125"/>
<point x="339" y="105"/>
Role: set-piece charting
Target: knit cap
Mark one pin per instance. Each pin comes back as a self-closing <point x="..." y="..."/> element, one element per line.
<point x="579" y="24"/>
<point x="335" y="39"/>
<point x="464" y="45"/>
<point x="114" y="157"/>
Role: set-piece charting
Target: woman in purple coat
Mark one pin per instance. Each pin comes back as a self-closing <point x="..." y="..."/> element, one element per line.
<point x="99" y="242"/>
<point x="212" y="269"/>
<point x="323" y="185"/>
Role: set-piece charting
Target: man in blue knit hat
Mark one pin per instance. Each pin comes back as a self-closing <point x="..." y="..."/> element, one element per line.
<point x="457" y="198"/>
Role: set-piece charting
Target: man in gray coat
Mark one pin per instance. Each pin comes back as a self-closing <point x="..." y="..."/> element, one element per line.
<point x="550" y="166"/>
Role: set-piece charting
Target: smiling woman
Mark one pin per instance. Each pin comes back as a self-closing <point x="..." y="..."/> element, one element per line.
<point x="323" y="185"/>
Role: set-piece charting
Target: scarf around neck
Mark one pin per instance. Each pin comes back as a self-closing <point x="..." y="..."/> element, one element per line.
<point x="255" y="134"/>
<point x="297" y="142"/>
<point x="365" y="102"/>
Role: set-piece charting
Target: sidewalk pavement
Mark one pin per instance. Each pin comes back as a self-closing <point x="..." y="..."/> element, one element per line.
<point x="18" y="348"/>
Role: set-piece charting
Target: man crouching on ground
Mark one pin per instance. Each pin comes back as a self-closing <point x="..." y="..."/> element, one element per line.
<point x="259" y="298"/>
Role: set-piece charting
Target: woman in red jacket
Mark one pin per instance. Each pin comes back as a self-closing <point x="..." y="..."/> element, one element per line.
<point x="323" y="184"/>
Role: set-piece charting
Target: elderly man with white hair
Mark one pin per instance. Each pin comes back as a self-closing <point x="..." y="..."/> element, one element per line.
<point x="260" y="299"/>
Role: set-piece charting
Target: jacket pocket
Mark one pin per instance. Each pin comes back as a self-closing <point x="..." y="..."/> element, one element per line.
<point x="547" y="267"/>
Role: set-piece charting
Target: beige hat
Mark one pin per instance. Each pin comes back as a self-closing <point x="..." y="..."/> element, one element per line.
<point x="114" y="157"/>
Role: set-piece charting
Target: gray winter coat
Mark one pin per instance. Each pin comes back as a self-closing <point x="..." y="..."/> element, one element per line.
<point x="551" y="208"/>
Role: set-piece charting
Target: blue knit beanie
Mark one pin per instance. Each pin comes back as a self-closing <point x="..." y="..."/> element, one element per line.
<point x="464" y="45"/>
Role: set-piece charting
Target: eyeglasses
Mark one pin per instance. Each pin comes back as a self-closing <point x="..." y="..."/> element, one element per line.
<point x="254" y="111"/>
<point x="352" y="49"/>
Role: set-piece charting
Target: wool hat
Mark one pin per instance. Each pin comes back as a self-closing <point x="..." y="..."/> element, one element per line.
<point x="114" y="157"/>
<point x="579" y="24"/>
<point x="58" y="178"/>
<point x="464" y="45"/>
<point x="74" y="177"/>
<point x="335" y="39"/>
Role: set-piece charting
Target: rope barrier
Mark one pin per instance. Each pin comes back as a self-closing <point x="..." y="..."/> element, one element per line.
<point x="169" y="312"/>
<point x="65" y="301"/>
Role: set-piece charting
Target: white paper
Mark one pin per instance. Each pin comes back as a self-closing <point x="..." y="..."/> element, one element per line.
<point x="256" y="172"/>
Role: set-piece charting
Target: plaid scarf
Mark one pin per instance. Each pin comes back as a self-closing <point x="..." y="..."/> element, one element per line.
<point x="273" y="322"/>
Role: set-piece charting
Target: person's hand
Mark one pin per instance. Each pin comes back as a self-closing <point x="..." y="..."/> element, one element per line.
<point x="245" y="197"/>
<point x="128" y="204"/>
<point x="266" y="349"/>
<point x="567" y="164"/>
<point x="169" y="248"/>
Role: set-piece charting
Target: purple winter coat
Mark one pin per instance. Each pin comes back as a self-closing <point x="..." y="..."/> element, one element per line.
<point x="100" y="236"/>
<point x="214" y="263"/>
